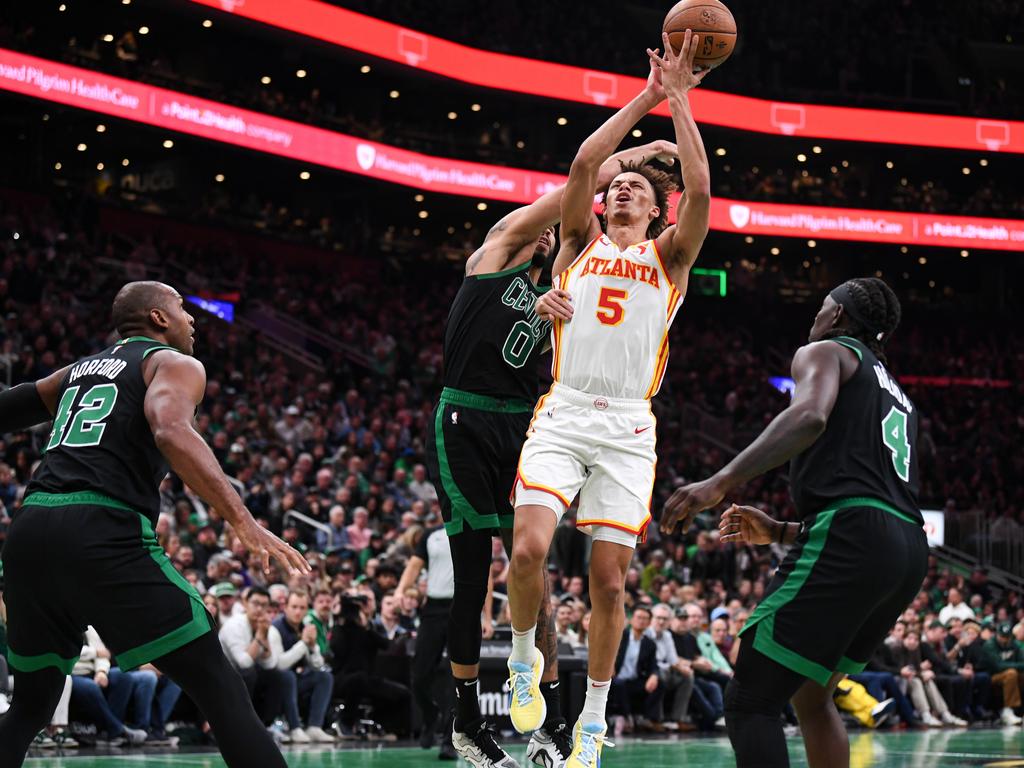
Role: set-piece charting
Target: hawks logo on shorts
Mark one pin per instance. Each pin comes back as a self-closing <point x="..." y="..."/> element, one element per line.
<point x="617" y="341"/>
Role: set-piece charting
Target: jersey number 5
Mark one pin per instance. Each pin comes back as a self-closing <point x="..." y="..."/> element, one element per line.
<point x="609" y="306"/>
<point x="894" y="435"/>
<point x="87" y="426"/>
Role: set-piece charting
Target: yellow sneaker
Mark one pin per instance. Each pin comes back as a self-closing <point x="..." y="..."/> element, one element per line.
<point x="528" y="709"/>
<point x="588" y="741"/>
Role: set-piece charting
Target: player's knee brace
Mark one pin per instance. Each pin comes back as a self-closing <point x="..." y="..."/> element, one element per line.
<point x="464" y="633"/>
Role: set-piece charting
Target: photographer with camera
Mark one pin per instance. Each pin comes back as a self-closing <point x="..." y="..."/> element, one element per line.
<point x="354" y="649"/>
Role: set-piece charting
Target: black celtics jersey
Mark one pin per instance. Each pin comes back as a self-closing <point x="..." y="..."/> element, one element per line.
<point x="101" y="440"/>
<point x="868" y="449"/>
<point x="494" y="337"/>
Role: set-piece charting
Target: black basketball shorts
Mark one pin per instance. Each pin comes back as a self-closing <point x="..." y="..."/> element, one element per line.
<point x="77" y="559"/>
<point x="473" y="447"/>
<point x="856" y="567"/>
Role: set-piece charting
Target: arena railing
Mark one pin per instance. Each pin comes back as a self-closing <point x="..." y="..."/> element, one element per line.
<point x="392" y="42"/>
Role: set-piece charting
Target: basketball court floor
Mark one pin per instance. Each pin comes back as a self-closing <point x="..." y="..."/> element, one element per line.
<point x="916" y="749"/>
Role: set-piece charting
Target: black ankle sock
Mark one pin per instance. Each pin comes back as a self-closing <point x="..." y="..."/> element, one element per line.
<point x="467" y="705"/>
<point x="550" y="692"/>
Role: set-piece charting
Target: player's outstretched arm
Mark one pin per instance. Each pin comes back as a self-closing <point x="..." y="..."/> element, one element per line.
<point x="681" y="243"/>
<point x="175" y="389"/>
<point x="31" y="403"/>
<point x="817" y="371"/>
<point x="522" y="228"/>
<point x="579" y="224"/>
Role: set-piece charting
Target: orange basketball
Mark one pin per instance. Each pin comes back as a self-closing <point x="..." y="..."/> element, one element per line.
<point x="712" y="21"/>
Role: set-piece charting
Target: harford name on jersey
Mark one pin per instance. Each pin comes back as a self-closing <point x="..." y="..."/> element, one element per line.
<point x="621" y="267"/>
<point x="886" y="382"/>
<point x="519" y="296"/>
<point x="106" y="366"/>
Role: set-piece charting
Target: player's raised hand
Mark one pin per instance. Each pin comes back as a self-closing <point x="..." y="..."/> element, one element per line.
<point x="654" y="85"/>
<point x="556" y="304"/>
<point x="677" y="75"/>
<point x="664" y="151"/>
<point x="687" y="501"/>
<point x="748" y="525"/>
<point x="266" y="545"/>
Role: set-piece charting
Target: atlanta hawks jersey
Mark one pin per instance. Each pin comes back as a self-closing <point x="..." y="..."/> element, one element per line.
<point x="616" y="344"/>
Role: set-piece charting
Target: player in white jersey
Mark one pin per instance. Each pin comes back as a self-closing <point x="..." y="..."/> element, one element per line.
<point x="593" y="433"/>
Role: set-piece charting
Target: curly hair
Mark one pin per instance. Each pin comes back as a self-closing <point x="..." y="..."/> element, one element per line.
<point x="879" y="307"/>
<point x="662" y="184"/>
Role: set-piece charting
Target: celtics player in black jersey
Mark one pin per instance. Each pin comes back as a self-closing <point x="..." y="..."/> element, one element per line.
<point x="493" y="340"/>
<point x="81" y="549"/>
<point x="859" y="554"/>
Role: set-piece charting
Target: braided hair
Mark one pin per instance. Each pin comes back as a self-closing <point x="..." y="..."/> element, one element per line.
<point x="876" y="314"/>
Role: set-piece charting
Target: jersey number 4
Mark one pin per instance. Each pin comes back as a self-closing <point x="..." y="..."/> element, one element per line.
<point x="894" y="435"/>
<point x="609" y="306"/>
<point x="86" y="427"/>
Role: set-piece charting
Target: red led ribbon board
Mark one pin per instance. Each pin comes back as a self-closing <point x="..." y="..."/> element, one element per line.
<point x="557" y="81"/>
<point x="179" y="112"/>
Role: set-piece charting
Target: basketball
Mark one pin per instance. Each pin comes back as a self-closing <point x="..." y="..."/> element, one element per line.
<point x="712" y="21"/>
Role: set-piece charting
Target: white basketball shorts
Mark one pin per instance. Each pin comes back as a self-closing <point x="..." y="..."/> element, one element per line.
<point x="601" y="448"/>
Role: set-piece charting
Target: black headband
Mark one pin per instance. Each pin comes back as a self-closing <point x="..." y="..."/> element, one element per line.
<point x="844" y="298"/>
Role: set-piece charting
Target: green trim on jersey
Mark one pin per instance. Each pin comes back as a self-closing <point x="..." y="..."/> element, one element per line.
<point x="513" y="270"/>
<point x="462" y="510"/>
<point x="198" y="626"/>
<point x="763" y="617"/>
<point x="857" y="350"/>
<point x="28" y="664"/>
<point x="151" y="350"/>
<point x="483" y="402"/>
<point x="137" y="338"/>
<point x="43" y="499"/>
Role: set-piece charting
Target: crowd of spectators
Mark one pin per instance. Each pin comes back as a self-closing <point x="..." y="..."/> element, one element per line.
<point x="345" y="448"/>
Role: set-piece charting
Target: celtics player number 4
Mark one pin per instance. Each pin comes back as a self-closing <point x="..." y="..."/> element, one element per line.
<point x="894" y="435"/>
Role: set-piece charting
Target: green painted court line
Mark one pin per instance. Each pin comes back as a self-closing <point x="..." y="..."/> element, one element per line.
<point x="919" y="749"/>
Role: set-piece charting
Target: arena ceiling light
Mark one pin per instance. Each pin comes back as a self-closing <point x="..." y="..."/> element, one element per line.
<point x="348" y="29"/>
<point x="207" y="23"/>
<point x="365" y="69"/>
<point x="475" y="107"/>
<point x="143" y="30"/>
<point x="59" y="83"/>
<point x="125" y="162"/>
<point x="168" y="144"/>
<point x="101" y="128"/>
<point x="301" y="73"/>
<point x="637" y="133"/>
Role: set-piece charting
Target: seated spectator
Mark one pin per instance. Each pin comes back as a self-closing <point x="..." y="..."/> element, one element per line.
<point x="338" y="536"/>
<point x="954" y="684"/>
<point x="420" y="487"/>
<point x="90" y="679"/>
<point x="675" y="673"/>
<point x="246" y="642"/>
<point x="636" y="688"/>
<point x="956" y="608"/>
<point x="707" y="699"/>
<point x="359" y="532"/>
<point x="389" y="622"/>
<point x="321" y="616"/>
<point x="299" y="656"/>
<point x="882" y="678"/>
<point x="921" y="688"/>
<point x="563" y="626"/>
<point x="721" y="670"/>
<point x="1003" y="659"/>
<point x="410" y="607"/>
<point x="228" y="605"/>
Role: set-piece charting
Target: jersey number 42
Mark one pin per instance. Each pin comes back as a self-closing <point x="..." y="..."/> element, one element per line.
<point x="86" y="427"/>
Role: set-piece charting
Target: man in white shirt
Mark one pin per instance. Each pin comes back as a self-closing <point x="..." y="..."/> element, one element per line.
<point x="245" y="639"/>
<point x="675" y="673"/>
<point x="956" y="608"/>
<point x="298" y="656"/>
<point x="420" y="486"/>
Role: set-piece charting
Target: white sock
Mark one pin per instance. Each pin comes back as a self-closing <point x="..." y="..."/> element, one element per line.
<point x="596" y="702"/>
<point x="523" y="644"/>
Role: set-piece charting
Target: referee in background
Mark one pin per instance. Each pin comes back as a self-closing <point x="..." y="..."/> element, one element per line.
<point x="433" y="553"/>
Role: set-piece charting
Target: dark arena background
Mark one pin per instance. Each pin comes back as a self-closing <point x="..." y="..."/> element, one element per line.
<point x="312" y="176"/>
